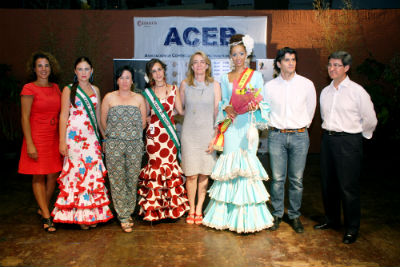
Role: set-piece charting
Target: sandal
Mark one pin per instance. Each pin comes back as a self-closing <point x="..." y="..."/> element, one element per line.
<point x="84" y="226"/>
<point x="50" y="228"/>
<point x="130" y="221"/>
<point x="126" y="227"/>
<point x="190" y="218"/>
<point x="198" y="219"/>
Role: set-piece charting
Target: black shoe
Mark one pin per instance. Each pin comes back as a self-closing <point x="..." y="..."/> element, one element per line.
<point x="297" y="225"/>
<point x="277" y="221"/>
<point x="349" y="238"/>
<point x="326" y="225"/>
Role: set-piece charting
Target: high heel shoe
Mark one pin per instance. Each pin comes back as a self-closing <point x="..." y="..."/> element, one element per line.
<point x="48" y="225"/>
<point x="190" y="218"/>
<point x="198" y="219"/>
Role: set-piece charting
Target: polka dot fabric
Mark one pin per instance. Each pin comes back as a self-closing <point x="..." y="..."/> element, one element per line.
<point x="161" y="181"/>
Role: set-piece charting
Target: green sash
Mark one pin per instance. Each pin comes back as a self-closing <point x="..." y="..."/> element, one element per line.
<point x="163" y="117"/>
<point x="90" y="110"/>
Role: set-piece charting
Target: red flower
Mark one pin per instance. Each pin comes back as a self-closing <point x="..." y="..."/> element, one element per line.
<point x="85" y="146"/>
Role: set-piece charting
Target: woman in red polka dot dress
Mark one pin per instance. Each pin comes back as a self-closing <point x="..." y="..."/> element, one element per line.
<point x="161" y="181"/>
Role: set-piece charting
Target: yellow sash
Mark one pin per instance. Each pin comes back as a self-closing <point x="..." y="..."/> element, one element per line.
<point x="223" y="126"/>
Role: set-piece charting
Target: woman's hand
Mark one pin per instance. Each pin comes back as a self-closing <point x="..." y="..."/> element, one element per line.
<point x="210" y="147"/>
<point x="63" y="148"/>
<point x="32" y="152"/>
<point x="252" y="106"/>
<point x="230" y="112"/>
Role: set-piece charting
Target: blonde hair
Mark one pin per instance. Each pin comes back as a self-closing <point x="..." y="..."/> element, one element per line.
<point x="190" y="73"/>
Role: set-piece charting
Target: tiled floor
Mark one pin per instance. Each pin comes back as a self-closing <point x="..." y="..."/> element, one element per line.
<point x="24" y="243"/>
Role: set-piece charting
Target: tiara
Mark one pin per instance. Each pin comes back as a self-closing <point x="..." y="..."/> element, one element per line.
<point x="236" y="43"/>
<point x="247" y="42"/>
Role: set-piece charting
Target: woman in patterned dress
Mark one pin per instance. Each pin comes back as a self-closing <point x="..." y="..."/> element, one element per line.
<point x="162" y="194"/>
<point x="238" y="196"/>
<point x="83" y="196"/>
<point x="200" y="95"/>
<point x="123" y="115"/>
<point x="40" y="108"/>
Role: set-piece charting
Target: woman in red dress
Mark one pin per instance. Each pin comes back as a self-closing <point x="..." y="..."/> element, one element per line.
<point x="40" y="108"/>
<point x="161" y="190"/>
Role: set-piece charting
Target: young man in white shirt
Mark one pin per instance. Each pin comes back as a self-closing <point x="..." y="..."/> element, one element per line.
<point x="292" y="101"/>
<point x="348" y="115"/>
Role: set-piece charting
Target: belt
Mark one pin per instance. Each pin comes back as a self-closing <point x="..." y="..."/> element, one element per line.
<point x="338" y="133"/>
<point x="300" y="130"/>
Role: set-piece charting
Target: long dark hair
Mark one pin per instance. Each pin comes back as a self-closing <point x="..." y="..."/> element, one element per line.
<point x="149" y="66"/>
<point x="76" y="82"/>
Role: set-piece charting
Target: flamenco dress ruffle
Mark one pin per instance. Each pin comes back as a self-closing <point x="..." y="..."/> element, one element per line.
<point x="162" y="192"/>
<point x="83" y="199"/>
<point x="238" y="196"/>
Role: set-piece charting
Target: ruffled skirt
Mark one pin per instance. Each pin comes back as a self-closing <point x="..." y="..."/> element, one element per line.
<point x="161" y="190"/>
<point x="238" y="196"/>
<point x="83" y="197"/>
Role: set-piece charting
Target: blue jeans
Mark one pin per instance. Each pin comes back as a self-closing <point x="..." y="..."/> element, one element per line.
<point x="287" y="156"/>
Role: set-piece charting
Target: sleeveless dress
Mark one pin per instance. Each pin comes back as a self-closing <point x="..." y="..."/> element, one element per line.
<point x="161" y="190"/>
<point x="198" y="129"/>
<point x="124" y="151"/>
<point x="83" y="196"/>
<point x="45" y="112"/>
<point x="238" y="196"/>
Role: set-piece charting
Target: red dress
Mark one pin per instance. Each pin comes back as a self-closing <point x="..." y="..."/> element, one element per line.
<point x="161" y="190"/>
<point x="45" y="112"/>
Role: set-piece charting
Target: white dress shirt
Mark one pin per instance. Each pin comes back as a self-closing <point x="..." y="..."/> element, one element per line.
<point x="347" y="109"/>
<point x="292" y="102"/>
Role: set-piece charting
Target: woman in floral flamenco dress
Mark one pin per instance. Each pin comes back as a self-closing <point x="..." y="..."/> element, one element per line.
<point x="161" y="181"/>
<point x="238" y="196"/>
<point x="83" y="196"/>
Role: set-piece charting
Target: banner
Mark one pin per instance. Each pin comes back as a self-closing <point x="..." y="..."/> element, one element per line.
<point x="180" y="37"/>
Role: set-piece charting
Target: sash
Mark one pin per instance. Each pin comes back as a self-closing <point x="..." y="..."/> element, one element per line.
<point x="163" y="117"/>
<point x="244" y="79"/>
<point x="89" y="108"/>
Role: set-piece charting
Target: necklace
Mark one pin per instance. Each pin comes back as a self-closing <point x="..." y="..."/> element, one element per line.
<point x="160" y="85"/>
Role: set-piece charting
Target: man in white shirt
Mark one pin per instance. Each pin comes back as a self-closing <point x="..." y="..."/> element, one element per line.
<point x="348" y="115"/>
<point x="292" y="101"/>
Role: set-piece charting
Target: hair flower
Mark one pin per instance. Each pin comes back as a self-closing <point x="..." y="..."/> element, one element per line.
<point x="248" y="42"/>
<point x="146" y="78"/>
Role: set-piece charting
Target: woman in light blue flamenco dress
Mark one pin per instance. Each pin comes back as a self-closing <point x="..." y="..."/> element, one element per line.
<point x="238" y="196"/>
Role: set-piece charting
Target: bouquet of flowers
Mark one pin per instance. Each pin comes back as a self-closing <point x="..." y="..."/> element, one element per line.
<point x="241" y="98"/>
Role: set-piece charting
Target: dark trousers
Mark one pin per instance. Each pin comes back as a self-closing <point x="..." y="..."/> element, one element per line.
<point x="341" y="157"/>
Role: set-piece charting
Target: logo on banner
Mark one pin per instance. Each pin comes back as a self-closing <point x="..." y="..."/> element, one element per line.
<point x="206" y="36"/>
<point x="141" y="23"/>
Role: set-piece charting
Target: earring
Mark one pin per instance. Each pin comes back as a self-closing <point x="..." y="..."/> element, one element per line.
<point x="75" y="78"/>
<point x="91" y="78"/>
<point x="247" y="62"/>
